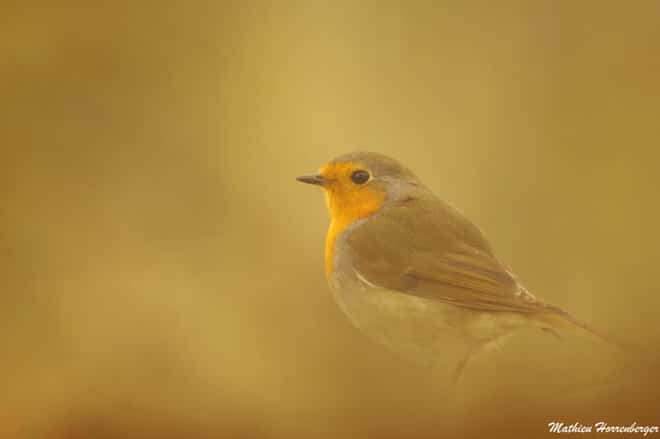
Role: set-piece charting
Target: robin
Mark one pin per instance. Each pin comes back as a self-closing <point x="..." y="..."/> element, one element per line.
<point x="412" y="272"/>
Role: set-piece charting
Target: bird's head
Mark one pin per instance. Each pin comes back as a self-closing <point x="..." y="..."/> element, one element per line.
<point x="359" y="184"/>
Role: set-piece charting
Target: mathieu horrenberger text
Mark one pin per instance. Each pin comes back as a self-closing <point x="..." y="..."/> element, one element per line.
<point x="601" y="427"/>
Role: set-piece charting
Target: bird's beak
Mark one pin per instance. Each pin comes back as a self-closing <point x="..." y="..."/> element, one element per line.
<point x="316" y="179"/>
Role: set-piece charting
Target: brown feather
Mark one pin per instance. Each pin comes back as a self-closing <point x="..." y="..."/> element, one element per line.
<point x="445" y="257"/>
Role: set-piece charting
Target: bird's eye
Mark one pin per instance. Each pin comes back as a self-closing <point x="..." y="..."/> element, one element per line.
<point x="360" y="176"/>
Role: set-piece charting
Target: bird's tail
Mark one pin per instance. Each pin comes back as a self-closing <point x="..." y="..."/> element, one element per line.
<point x="557" y="318"/>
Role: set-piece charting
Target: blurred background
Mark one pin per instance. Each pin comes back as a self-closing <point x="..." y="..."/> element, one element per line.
<point x="162" y="271"/>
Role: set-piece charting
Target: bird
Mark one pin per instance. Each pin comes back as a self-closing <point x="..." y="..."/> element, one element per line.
<point x="414" y="274"/>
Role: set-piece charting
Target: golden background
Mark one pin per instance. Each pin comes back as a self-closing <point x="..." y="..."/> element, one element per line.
<point x="162" y="270"/>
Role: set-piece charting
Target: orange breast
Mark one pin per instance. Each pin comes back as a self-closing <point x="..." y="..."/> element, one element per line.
<point x="346" y="208"/>
<point x="336" y="227"/>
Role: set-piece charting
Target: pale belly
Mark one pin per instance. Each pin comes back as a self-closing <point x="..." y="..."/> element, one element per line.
<point x="421" y="329"/>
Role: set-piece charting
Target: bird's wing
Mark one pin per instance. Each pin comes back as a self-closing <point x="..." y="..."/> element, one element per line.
<point x="429" y="249"/>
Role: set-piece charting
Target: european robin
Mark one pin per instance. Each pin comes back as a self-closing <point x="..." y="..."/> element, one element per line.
<point x="412" y="272"/>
